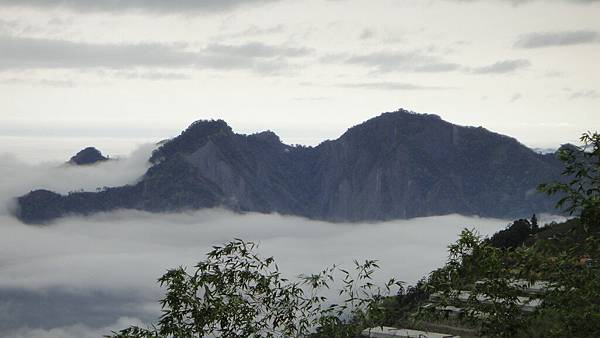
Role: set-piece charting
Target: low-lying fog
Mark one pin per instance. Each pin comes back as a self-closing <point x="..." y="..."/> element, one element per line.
<point x="85" y="276"/>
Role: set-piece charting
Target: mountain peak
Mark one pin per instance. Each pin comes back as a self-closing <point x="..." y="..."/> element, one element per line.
<point x="268" y="136"/>
<point x="191" y="138"/>
<point x="208" y="125"/>
<point x="390" y="125"/>
<point x="87" y="156"/>
<point x="403" y="113"/>
<point x="567" y="147"/>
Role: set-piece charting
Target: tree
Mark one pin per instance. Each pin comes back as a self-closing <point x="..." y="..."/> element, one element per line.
<point x="236" y="293"/>
<point x="513" y="236"/>
<point x="477" y="267"/>
<point x="580" y="194"/>
<point x="534" y="224"/>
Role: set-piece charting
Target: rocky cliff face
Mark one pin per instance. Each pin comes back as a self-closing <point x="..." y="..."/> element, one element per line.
<point x="397" y="165"/>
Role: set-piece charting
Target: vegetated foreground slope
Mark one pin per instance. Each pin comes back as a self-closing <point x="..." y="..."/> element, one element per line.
<point x="396" y="165"/>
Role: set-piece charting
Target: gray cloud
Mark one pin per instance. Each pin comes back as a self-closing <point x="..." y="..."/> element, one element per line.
<point x="417" y="61"/>
<point x="258" y="50"/>
<point x="8" y="25"/>
<point x="585" y="94"/>
<point x="311" y="98"/>
<point x="30" y="53"/>
<point x="255" y="56"/>
<point x="154" y="6"/>
<point x="501" y="67"/>
<point x="366" y="34"/>
<point x="253" y="31"/>
<point x="391" y="86"/>
<point x="549" y="39"/>
<point x="45" y="53"/>
<point x="38" y="82"/>
<point x="150" y="75"/>
<point x="553" y="74"/>
<point x="516" y="97"/>
<point x="414" y="61"/>
<point x="521" y="2"/>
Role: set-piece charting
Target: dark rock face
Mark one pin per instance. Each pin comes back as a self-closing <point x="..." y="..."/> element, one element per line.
<point x="89" y="155"/>
<point x="397" y="165"/>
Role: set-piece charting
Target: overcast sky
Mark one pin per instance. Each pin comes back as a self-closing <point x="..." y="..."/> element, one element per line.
<point x="306" y="69"/>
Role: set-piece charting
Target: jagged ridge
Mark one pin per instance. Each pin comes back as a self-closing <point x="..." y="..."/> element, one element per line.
<point x="397" y="165"/>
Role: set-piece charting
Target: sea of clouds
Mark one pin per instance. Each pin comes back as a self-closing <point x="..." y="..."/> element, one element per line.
<point x="86" y="276"/>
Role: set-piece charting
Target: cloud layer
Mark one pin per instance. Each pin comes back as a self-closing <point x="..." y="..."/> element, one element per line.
<point x="553" y="39"/>
<point x="502" y="67"/>
<point x="391" y="86"/>
<point x="420" y="62"/>
<point x="414" y="61"/>
<point x="520" y="2"/>
<point x="154" y="6"/>
<point x="34" y="53"/>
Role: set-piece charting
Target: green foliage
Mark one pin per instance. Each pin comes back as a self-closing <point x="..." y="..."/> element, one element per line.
<point x="363" y="304"/>
<point x="514" y="235"/>
<point x="480" y="268"/>
<point x="569" y="307"/>
<point x="580" y="194"/>
<point x="235" y="292"/>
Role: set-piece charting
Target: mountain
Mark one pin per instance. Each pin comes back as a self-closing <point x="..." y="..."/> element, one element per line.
<point x="396" y="165"/>
<point x="87" y="156"/>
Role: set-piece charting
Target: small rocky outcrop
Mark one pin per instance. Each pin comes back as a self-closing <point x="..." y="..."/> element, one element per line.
<point x="87" y="156"/>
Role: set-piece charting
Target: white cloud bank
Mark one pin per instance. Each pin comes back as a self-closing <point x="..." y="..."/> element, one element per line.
<point x="18" y="177"/>
<point x="82" y="274"/>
